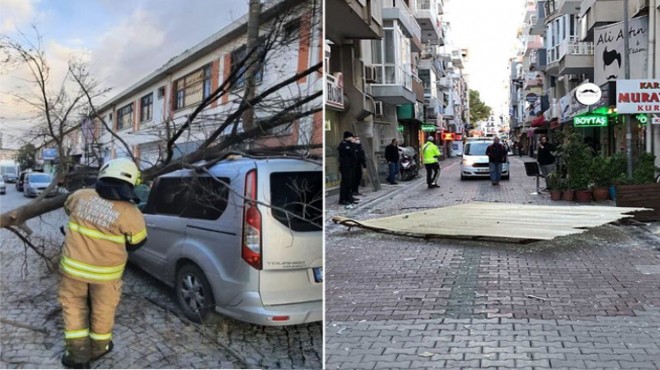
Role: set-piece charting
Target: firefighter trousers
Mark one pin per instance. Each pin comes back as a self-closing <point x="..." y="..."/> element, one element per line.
<point x="89" y="315"/>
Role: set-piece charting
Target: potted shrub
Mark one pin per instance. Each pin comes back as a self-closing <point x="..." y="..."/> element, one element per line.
<point x="554" y="186"/>
<point x="567" y="192"/>
<point x="600" y="174"/>
<point x="578" y="156"/>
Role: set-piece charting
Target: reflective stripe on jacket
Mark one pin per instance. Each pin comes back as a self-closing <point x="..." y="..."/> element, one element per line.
<point x="429" y="153"/>
<point x="98" y="232"/>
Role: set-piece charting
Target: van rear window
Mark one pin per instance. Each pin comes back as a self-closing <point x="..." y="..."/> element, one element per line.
<point x="297" y="199"/>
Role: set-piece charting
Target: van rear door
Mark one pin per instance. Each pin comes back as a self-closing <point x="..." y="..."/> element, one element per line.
<point x="292" y="242"/>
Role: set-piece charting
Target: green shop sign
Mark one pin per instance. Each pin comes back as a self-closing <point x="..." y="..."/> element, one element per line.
<point x="400" y="128"/>
<point x="590" y="120"/>
<point x="643" y="119"/>
<point x="428" y="128"/>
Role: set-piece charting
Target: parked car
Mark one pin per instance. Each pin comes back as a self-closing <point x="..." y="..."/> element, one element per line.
<point x="256" y="261"/>
<point x="3" y="187"/>
<point x="475" y="161"/>
<point x="36" y="182"/>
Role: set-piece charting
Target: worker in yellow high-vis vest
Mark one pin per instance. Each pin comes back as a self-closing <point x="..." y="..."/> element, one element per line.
<point x="430" y="155"/>
<point x="104" y="223"/>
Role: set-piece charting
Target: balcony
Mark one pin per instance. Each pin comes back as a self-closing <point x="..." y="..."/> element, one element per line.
<point x="533" y="81"/>
<point x="444" y="83"/>
<point x="397" y="10"/>
<point x="353" y="20"/>
<point x="533" y="43"/>
<point x="576" y="57"/>
<point x="426" y="13"/>
<point x="598" y="13"/>
<point x="394" y="85"/>
<point x="418" y="88"/>
<point x="457" y="58"/>
<point x="637" y="7"/>
<point x="434" y="64"/>
<point x="556" y="8"/>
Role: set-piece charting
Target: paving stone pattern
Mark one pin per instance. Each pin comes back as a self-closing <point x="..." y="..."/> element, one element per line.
<point x="149" y="330"/>
<point x="585" y="301"/>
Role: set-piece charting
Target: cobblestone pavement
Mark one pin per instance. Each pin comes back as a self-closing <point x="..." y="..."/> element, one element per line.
<point x="149" y="330"/>
<point x="590" y="300"/>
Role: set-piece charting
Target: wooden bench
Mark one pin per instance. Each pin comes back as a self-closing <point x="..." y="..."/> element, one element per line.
<point x="645" y="195"/>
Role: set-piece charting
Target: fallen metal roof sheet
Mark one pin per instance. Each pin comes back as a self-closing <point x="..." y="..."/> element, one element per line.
<point x="477" y="220"/>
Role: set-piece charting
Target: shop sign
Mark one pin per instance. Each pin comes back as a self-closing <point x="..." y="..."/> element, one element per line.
<point x="637" y="96"/>
<point x="588" y="94"/>
<point x="590" y="120"/>
<point x="335" y="91"/>
<point x="428" y="128"/>
<point x="448" y="136"/>
<point x="400" y="128"/>
<point x="49" y="154"/>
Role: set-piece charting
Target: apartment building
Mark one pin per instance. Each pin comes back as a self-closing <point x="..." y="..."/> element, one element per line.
<point x="147" y="112"/>
<point x="582" y="43"/>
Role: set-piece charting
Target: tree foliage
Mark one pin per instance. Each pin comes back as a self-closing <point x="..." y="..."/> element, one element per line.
<point x="26" y="156"/>
<point x="479" y="111"/>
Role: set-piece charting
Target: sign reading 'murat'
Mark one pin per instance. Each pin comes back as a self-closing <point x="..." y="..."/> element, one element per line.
<point x="637" y="96"/>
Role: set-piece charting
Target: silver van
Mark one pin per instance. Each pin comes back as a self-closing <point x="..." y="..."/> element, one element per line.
<point x="243" y="238"/>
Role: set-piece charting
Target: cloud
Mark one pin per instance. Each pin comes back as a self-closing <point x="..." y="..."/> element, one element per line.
<point x="15" y="14"/>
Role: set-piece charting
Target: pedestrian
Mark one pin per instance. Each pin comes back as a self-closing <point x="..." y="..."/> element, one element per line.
<point x="496" y="153"/>
<point x="430" y="155"/>
<point x="347" y="163"/>
<point x="520" y="149"/>
<point x="104" y="223"/>
<point x="361" y="164"/>
<point x="392" y="158"/>
<point x="546" y="159"/>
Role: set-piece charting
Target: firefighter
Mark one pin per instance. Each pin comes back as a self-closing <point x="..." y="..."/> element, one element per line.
<point x="104" y="224"/>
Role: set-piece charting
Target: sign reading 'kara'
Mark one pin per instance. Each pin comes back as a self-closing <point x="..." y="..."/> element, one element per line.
<point x="589" y="120"/>
<point x="637" y="96"/>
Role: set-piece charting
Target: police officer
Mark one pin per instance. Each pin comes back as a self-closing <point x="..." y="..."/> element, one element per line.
<point x="430" y="155"/>
<point x="361" y="163"/>
<point x="104" y="223"/>
<point x="347" y="163"/>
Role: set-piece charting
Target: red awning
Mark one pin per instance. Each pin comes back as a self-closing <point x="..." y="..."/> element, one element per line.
<point x="538" y="121"/>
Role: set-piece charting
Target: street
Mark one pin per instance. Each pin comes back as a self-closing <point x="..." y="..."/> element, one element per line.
<point x="589" y="300"/>
<point x="149" y="332"/>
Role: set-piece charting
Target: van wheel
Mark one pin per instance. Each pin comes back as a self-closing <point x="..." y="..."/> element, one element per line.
<point x="194" y="294"/>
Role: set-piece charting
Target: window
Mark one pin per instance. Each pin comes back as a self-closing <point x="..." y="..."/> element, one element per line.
<point x="239" y="64"/>
<point x="161" y="92"/>
<point x="146" y="107"/>
<point x="189" y="197"/>
<point x="193" y="88"/>
<point x="291" y="31"/>
<point x="125" y="117"/>
<point x="297" y="199"/>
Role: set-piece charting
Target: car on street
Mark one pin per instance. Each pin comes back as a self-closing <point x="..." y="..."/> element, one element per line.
<point x="474" y="163"/>
<point x="242" y="238"/>
<point x="3" y="187"/>
<point x="9" y="170"/>
<point x="20" y="180"/>
<point x="37" y="182"/>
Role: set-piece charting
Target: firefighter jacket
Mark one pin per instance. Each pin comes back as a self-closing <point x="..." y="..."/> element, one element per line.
<point x="98" y="233"/>
<point x="430" y="153"/>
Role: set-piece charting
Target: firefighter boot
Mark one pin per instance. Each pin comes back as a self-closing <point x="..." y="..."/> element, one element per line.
<point x="100" y="348"/>
<point x="76" y="353"/>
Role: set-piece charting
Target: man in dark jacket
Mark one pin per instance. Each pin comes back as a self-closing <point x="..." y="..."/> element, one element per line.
<point x="347" y="163"/>
<point x="361" y="163"/>
<point x="546" y="159"/>
<point x="496" y="156"/>
<point x="392" y="158"/>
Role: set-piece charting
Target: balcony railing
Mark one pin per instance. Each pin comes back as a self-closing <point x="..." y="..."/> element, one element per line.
<point x="573" y="46"/>
<point x="407" y="14"/>
<point x="532" y="20"/>
<point x="391" y="74"/>
<point x="334" y="91"/>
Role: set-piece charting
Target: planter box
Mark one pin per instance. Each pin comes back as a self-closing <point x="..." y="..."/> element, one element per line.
<point x="646" y="195"/>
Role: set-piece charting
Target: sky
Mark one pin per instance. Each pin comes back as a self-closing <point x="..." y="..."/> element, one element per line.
<point x="487" y="28"/>
<point x="123" y="40"/>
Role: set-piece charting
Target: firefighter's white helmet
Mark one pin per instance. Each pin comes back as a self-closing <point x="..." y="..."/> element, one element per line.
<point x="123" y="169"/>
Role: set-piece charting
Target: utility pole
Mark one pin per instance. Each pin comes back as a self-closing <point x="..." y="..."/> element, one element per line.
<point x="651" y="69"/>
<point x="252" y="42"/>
<point x="626" y="64"/>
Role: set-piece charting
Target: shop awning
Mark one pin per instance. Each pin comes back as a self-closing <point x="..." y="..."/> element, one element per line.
<point x="538" y="121"/>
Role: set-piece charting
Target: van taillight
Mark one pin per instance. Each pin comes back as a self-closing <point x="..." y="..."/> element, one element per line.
<point x="251" y="249"/>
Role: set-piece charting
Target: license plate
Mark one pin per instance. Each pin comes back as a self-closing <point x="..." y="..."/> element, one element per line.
<point x="318" y="274"/>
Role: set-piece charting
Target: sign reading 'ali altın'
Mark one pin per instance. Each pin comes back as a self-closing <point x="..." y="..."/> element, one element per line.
<point x="589" y="120"/>
<point x="637" y="96"/>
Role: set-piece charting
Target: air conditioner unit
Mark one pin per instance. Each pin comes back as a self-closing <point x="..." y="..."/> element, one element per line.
<point x="378" y="109"/>
<point x="369" y="74"/>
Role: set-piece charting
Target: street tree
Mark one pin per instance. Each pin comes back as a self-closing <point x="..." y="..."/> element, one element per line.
<point x="479" y="111"/>
<point x="26" y="156"/>
<point x="61" y="111"/>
